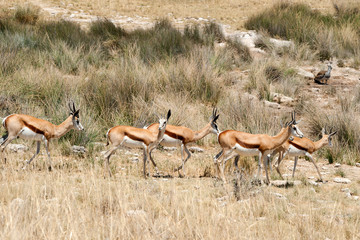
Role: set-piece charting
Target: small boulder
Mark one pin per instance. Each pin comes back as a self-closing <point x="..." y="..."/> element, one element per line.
<point x="342" y="180"/>
<point x="305" y="73"/>
<point x="272" y="104"/>
<point x="195" y="149"/>
<point x="17" y="147"/>
<point x="78" y="149"/>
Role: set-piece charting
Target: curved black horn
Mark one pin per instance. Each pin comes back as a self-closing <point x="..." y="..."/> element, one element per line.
<point x="74" y="107"/>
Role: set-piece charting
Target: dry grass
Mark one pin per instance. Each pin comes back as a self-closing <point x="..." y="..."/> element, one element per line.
<point x="233" y="13"/>
<point x="76" y="202"/>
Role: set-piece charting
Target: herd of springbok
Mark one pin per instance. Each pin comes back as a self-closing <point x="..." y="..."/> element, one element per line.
<point x="289" y="141"/>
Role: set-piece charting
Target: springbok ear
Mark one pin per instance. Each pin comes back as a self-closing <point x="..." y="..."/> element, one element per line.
<point x="168" y="114"/>
<point x="215" y="118"/>
<point x="297" y="122"/>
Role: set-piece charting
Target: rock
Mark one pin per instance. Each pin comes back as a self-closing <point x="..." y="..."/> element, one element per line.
<point x="345" y="190"/>
<point x="272" y="104"/>
<point x="282" y="99"/>
<point x="134" y="159"/>
<point x="135" y="212"/>
<point x="324" y="168"/>
<point x="195" y="149"/>
<point x="281" y="43"/>
<point x="311" y="182"/>
<point x="356" y="197"/>
<point x="78" y="149"/>
<point x="285" y="183"/>
<point x="342" y="180"/>
<point x="17" y="147"/>
<point x="313" y="190"/>
<point x="337" y="165"/>
<point x="170" y="148"/>
<point x="311" y="177"/>
<point x="305" y="73"/>
<point x="279" y="196"/>
<point x="358" y="164"/>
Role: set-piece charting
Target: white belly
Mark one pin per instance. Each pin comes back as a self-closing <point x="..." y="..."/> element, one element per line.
<point x="170" y="142"/>
<point x="246" y="151"/>
<point x="128" y="142"/>
<point x="27" y="133"/>
<point x="293" y="151"/>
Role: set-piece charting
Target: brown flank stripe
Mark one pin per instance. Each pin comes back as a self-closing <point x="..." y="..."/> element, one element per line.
<point x="174" y="135"/>
<point x="298" y="146"/>
<point x="33" y="128"/>
<point x="246" y="145"/>
<point x="135" y="138"/>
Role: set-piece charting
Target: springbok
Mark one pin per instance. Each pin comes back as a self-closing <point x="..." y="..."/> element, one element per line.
<point x="301" y="147"/>
<point x="133" y="137"/>
<point x="31" y="128"/>
<point x="246" y="144"/>
<point x="182" y="136"/>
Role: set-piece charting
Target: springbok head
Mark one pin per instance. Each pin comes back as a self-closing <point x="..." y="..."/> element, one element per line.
<point x="214" y="126"/>
<point x="75" y="117"/>
<point x="327" y="136"/>
<point x="163" y="121"/>
<point x="291" y="125"/>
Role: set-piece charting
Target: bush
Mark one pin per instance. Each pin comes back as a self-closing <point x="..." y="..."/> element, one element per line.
<point x="27" y="15"/>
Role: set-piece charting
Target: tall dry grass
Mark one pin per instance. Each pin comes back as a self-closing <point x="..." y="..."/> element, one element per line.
<point x="331" y="35"/>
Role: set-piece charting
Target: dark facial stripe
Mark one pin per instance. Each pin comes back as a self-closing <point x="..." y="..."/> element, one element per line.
<point x="174" y="135"/>
<point x="33" y="128"/>
<point x="298" y="146"/>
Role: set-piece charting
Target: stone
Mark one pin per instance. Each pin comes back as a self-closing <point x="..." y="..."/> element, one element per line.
<point x="272" y="104"/>
<point x="279" y="195"/>
<point x="342" y="180"/>
<point x="358" y="164"/>
<point x="312" y="182"/>
<point x="17" y="147"/>
<point x="282" y="99"/>
<point x="345" y="190"/>
<point x="305" y="73"/>
<point x="78" y="149"/>
<point x="135" y="212"/>
<point x="337" y="165"/>
<point x="195" y="149"/>
<point x="170" y="148"/>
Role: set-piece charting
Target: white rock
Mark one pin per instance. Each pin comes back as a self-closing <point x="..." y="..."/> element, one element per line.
<point x="356" y="197"/>
<point x="195" y="149"/>
<point x="358" y="164"/>
<point x="313" y="190"/>
<point x="345" y="190"/>
<point x="282" y="99"/>
<point x="311" y="177"/>
<point x="337" y="165"/>
<point x="17" y="147"/>
<point x="135" y="212"/>
<point x="311" y="182"/>
<point x="170" y="148"/>
<point x="324" y="168"/>
<point x="272" y="104"/>
<point x="342" y="180"/>
<point x="78" y="149"/>
<point x="305" y="73"/>
<point x="279" y="195"/>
